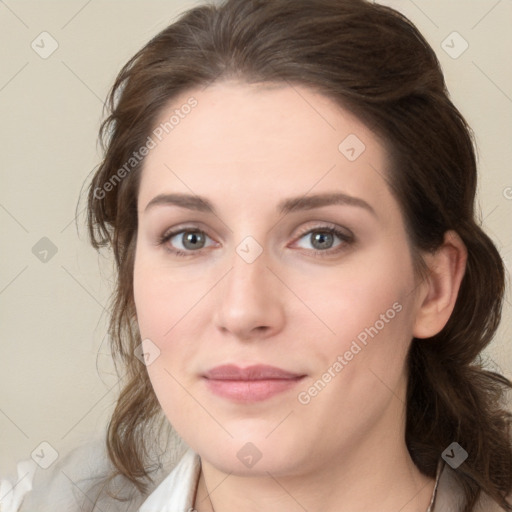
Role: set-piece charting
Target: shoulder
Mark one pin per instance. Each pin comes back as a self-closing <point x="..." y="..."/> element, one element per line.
<point x="76" y="483"/>
<point x="450" y="496"/>
<point x="70" y="482"/>
<point x="13" y="490"/>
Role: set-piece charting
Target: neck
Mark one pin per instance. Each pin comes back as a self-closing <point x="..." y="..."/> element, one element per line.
<point x="366" y="481"/>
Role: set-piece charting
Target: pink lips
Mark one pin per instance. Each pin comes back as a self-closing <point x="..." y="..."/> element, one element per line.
<point x="251" y="384"/>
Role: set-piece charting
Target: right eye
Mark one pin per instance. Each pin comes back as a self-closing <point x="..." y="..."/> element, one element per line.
<point x="192" y="240"/>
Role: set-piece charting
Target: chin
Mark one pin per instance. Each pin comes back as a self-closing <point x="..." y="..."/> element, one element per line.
<point x="252" y="455"/>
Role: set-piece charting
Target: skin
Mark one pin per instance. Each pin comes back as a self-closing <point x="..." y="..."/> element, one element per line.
<point x="245" y="148"/>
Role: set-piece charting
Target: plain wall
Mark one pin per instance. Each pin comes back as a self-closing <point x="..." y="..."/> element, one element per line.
<point x="57" y="383"/>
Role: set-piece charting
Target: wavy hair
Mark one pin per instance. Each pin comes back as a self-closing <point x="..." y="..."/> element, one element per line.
<point x="372" y="61"/>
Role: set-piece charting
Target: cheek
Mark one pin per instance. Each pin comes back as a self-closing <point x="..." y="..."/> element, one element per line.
<point x="165" y="315"/>
<point x="160" y="306"/>
<point x="151" y="303"/>
<point x="368" y="300"/>
<point x="379" y="331"/>
<point x="159" y="302"/>
<point x="359" y="373"/>
<point x="371" y="311"/>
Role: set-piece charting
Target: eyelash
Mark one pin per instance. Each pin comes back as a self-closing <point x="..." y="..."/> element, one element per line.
<point x="345" y="238"/>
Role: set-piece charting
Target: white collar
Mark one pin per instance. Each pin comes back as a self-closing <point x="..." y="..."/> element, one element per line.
<point x="177" y="491"/>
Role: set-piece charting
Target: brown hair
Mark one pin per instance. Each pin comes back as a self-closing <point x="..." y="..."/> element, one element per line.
<point x="374" y="62"/>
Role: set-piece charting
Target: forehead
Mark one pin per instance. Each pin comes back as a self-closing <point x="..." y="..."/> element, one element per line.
<point x="261" y="140"/>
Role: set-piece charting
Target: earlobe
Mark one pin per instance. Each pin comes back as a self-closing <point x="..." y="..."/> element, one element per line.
<point x="439" y="291"/>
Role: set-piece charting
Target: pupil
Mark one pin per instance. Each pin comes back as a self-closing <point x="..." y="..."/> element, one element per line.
<point x="192" y="239"/>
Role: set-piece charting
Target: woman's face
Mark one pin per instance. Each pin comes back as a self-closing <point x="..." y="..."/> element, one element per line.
<point x="254" y="275"/>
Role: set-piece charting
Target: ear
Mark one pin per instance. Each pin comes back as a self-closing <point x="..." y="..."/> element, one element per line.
<point x="438" y="293"/>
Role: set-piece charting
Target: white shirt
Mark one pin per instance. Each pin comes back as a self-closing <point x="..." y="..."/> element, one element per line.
<point x="177" y="492"/>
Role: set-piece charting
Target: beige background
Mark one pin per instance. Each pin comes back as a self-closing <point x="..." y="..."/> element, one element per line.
<point x="56" y="380"/>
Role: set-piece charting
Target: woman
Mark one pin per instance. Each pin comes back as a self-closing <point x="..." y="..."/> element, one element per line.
<point x="302" y="289"/>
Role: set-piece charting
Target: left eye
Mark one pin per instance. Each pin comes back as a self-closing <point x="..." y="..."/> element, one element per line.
<point x="190" y="239"/>
<point x="322" y="239"/>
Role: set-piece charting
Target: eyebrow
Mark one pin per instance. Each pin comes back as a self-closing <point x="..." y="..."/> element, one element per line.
<point x="292" y="204"/>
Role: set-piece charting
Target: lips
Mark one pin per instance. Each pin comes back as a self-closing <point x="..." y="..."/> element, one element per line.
<point x="252" y="384"/>
<point x="255" y="372"/>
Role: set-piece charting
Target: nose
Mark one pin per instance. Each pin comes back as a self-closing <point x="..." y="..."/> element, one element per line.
<point x="249" y="300"/>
